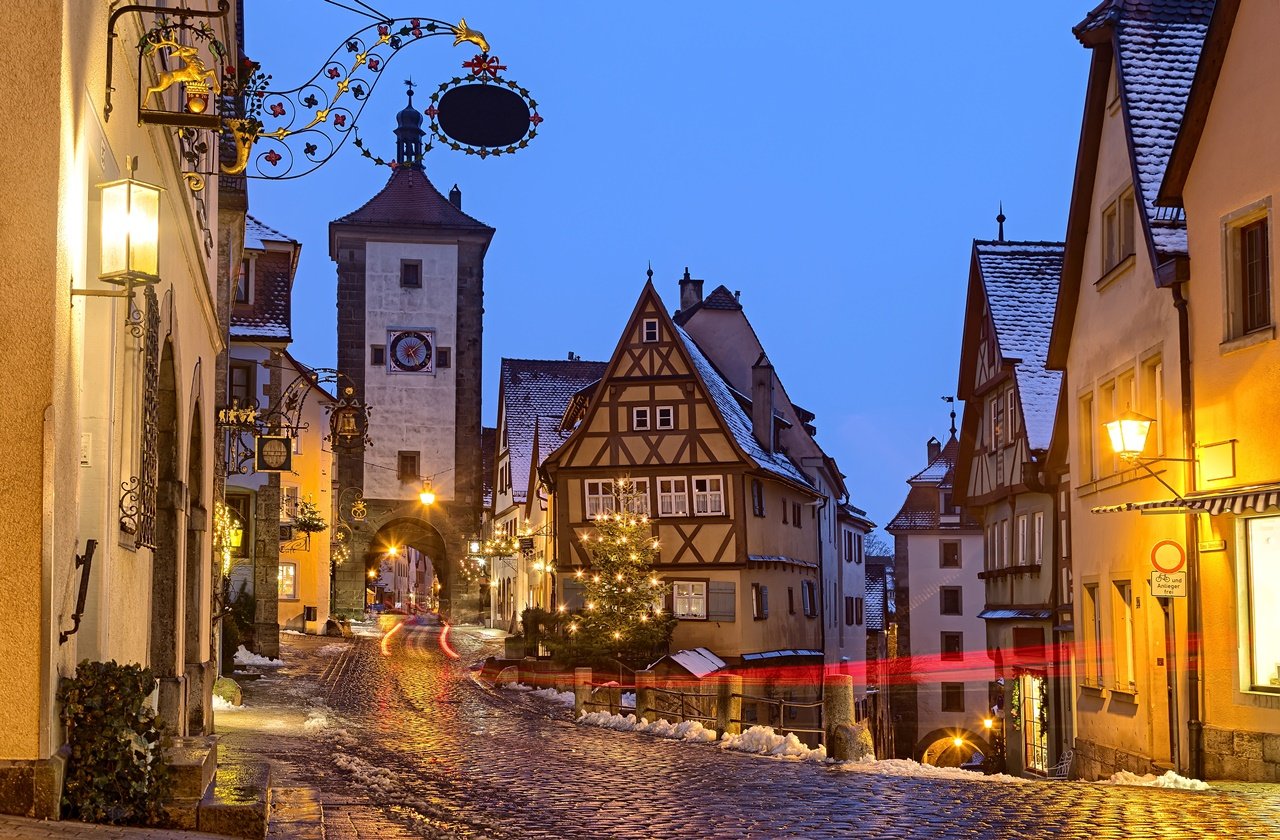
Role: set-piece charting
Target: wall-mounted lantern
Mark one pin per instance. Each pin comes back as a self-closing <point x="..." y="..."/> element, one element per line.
<point x="130" y="232"/>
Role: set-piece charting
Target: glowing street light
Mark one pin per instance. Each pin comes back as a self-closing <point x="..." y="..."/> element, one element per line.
<point x="1128" y="434"/>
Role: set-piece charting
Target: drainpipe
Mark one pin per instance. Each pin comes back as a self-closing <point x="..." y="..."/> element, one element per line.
<point x="1195" y="728"/>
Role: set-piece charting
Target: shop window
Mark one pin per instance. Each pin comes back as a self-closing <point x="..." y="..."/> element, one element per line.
<point x="1263" y="558"/>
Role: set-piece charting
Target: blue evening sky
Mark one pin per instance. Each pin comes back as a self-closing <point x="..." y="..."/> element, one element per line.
<point x="833" y="161"/>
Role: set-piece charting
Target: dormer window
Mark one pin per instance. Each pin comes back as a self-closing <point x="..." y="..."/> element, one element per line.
<point x="649" y="330"/>
<point x="243" y="292"/>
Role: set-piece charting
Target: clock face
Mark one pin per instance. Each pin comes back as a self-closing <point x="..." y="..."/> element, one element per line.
<point x="411" y="351"/>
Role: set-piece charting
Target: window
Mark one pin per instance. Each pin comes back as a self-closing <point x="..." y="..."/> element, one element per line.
<point x="377" y="355"/>
<point x="1087" y="436"/>
<point x="689" y="599"/>
<point x="1004" y="543"/>
<point x="640" y="419"/>
<point x="1122" y="612"/>
<point x="1011" y="414"/>
<point x="444" y="357"/>
<point x="288" y="503"/>
<point x="759" y="601"/>
<point x="757" y="497"/>
<point x="637" y="499"/>
<point x="992" y="556"/>
<point x="673" y="497"/>
<point x="952" y="697"/>
<point x="1093" y="642"/>
<point x="785" y="507"/>
<point x="649" y="330"/>
<point x="1118" y="228"/>
<point x="996" y="408"/>
<point x="1107" y="411"/>
<point x="852" y="611"/>
<point x="243" y="387"/>
<point x="949" y="600"/>
<point x="859" y="549"/>
<point x="858" y="610"/>
<point x="411" y="274"/>
<point x="791" y="601"/>
<point x="795" y="514"/>
<point x="1021" y="545"/>
<point x="952" y="646"/>
<point x="949" y="554"/>
<point x="243" y="292"/>
<point x="809" y="597"/>
<point x="600" y="498"/>
<point x="287" y="581"/>
<point x="1037" y="538"/>
<point x="848" y="545"/>
<point x="708" y="496"/>
<point x="407" y="466"/>
<point x="1262" y="546"/>
<point x="666" y="417"/>
<point x="1255" y="277"/>
<point x="1151" y="399"/>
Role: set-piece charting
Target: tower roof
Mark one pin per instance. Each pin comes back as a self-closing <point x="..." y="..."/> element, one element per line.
<point x="410" y="200"/>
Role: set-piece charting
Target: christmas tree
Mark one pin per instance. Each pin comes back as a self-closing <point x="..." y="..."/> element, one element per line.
<point x="623" y="605"/>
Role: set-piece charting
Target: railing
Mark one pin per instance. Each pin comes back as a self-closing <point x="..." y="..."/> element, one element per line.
<point x="782" y="705"/>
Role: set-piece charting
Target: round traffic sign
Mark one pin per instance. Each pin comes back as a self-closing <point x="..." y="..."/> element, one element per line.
<point x="1180" y="553"/>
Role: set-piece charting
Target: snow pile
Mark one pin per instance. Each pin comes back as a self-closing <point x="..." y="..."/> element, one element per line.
<point x="1170" y="779"/>
<point x="247" y="657"/>
<point x="628" y="699"/>
<point x="331" y="650"/>
<point x="515" y="686"/>
<point x="293" y="633"/>
<point x="375" y="780"/>
<point x="317" y="721"/>
<point x="564" y="698"/>
<point x="907" y="767"/>
<point x="762" y="740"/>
<point x="689" y="730"/>
<point x="220" y="705"/>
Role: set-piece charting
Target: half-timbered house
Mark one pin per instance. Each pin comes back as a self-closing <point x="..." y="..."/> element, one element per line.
<point x="734" y="515"/>
<point x="1009" y="404"/>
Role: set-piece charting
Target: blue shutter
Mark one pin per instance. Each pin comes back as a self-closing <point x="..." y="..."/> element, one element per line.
<point x="722" y="600"/>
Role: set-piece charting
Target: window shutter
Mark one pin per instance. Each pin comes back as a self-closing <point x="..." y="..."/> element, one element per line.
<point x="722" y="600"/>
<point x="575" y="594"/>
<point x="764" y="602"/>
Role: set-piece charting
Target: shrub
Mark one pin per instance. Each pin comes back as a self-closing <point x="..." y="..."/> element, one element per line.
<point x="116" y="772"/>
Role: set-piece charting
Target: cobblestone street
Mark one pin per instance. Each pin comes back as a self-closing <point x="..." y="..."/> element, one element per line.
<point x="409" y="745"/>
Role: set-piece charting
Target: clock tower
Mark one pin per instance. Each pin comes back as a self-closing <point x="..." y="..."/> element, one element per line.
<point x="410" y="306"/>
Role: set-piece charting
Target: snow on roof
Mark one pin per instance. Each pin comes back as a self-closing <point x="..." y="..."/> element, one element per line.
<point x="700" y="662"/>
<point x="533" y="389"/>
<point x="1158" y="45"/>
<point x="736" y="418"/>
<point x="776" y="654"/>
<point x="257" y="234"/>
<point x="920" y="511"/>
<point x="873" y="604"/>
<point x="779" y="558"/>
<point x="1021" y="284"/>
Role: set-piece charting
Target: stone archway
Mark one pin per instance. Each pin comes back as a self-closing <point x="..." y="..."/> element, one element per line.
<point x="408" y="532"/>
<point x="166" y="634"/>
<point x="951" y="747"/>
<point x="198" y="667"/>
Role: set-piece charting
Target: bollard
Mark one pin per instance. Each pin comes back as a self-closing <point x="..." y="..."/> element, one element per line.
<point x="645" y="682"/>
<point x="837" y="711"/>
<point x="581" y="690"/>
<point x="613" y="697"/>
<point x="729" y="705"/>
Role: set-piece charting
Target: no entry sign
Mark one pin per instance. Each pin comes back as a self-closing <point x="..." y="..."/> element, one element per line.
<point x="1168" y="556"/>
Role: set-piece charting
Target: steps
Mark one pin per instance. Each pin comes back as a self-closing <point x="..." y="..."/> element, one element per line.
<point x="238" y="803"/>
<point x="296" y="814"/>
<point x="192" y="763"/>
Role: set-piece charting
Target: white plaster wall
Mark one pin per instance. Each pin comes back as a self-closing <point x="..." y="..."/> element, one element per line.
<point x="411" y="411"/>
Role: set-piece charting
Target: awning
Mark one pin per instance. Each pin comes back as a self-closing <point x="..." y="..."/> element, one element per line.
<point x="1016" y="614"/>
<point x="1236" y="500"/>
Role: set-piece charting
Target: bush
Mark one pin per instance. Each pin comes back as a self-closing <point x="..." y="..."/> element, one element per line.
<point x="116" y="773"/>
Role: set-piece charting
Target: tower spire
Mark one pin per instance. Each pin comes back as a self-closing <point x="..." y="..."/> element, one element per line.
<point x="1000" y="221"/>
<point x="409" y="133"/>
<point x="952" y="401"/>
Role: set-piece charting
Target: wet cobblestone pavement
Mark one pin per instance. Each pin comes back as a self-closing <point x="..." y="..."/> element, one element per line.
<point x="408" y="745"/>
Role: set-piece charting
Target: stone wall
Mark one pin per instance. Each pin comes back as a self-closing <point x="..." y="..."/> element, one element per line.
<point x="1237" y="754"/>
<point x="1094" y="761"/>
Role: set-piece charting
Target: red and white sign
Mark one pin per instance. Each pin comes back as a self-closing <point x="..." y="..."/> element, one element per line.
<point x="1168" y="556"/>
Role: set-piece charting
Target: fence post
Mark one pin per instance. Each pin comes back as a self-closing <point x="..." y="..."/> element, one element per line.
<point x="645" y="682"/>
<point x="729" y="705"/>
<point x="837" y="711"/>
<point x="581" y="690"/>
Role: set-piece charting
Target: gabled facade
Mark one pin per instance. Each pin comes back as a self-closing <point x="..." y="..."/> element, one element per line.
<point x="939" y="679"/>
<point x="1225" y="172"/>
<point x="719" y="325"/>
<point x="714" y="482"/>
<point x="1118" y="327"/>
<point x="1001" y="479"/>
<point x="532" y="397"/>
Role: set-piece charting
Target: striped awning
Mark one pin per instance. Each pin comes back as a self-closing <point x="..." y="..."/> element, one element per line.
<point x="1237" y="500"/>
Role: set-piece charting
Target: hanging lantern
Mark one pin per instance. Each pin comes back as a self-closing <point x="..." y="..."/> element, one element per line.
<point x="130" y="232"/>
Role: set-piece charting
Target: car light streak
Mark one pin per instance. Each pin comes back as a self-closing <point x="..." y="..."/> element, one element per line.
<point x="387" y="638"/>
<point x="444" y="643"/>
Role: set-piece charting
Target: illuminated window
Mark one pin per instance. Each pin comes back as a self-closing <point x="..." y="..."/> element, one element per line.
<point x="708" y="496"/>
<point x="288" y="503"/>
<point x="673" y="496"/>
<point x="1122" y="614"/>
<point x="1263" y="547"/>
<point x="287" y="580"/>
<point x="599" y="497"/>
<point x="689" y="599"/>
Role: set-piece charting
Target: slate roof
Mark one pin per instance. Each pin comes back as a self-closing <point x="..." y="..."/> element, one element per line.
<point x="257" y="234"/>
<point x="533" y="389"/>
<point x="409" y="198"/>
<point x="736" y="419"/>
<point x="720" y="298"/>
<point x="488" y="446"/>
<point x="269" y="317"/>
<point x="1021" y="284"/>
<point x="920" y="510"/>
<point x="1158" y="45"/>
<point x="873" y="603"/>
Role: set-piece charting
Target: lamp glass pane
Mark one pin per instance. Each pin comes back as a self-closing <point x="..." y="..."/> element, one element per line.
<point x="144" y="229"/>
<point x="115" y="232"/>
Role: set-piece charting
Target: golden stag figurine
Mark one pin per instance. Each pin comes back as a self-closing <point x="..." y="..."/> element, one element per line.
<point x="193" y="69"/>
<point x="461" y="33"/>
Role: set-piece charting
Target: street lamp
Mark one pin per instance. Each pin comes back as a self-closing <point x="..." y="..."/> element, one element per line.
<point x="1128" y="434"/>
<point x="130" y="233"/>
<point x="427" y="496"/>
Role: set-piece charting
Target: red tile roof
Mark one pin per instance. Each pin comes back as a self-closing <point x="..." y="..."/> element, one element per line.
<point x="409" y="198"/>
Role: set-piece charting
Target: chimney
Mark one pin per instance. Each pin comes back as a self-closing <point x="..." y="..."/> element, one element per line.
<point x="935" y="449"/>
<point x="455" y="197"/>
<point x="762" y="402"/>
<point x="690" y="291"/>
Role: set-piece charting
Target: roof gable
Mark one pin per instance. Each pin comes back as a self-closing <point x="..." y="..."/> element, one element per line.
<point x="409" y="199"/>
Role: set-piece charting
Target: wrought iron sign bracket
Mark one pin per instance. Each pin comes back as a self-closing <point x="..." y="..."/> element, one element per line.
<point x="134" y="319"/>
<point x="224" y="6"/>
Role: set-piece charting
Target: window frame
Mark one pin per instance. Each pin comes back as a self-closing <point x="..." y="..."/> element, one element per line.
<point x="759" y="601"/>
<point x="809" y="598"/>
<point x="951" y="691"/>
<point x="943" y="545"/>
<point x="416" y="264"/>
<point x="691" y="596"/>
<point x="664" y="417"/>
<point x="946" y="655"/>
<point x="293" y="580"/>
<point x="650" y="331"/>
<point x="640" y="486"/>
<point x="955" y="591"/>
<point x="757" y="497"/>
<point x="404" y="472"/>
<point x="1255" y="584"/>
<point x="1237" y="330"/>
<point x="673" y="494"/>
<point x="251" y="385"/>
<point x="602" y="501"/>
<point x="1123" y="632"/>
<point x="1037" y="538"/>
<point x="708" y="495"/>
<point x="248" y="271"/>
<point x="290" y="496"/>
<point x="640" y="418"/>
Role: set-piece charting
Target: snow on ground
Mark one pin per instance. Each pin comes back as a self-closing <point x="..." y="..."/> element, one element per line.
<point x="317" y="721"/>
<point x="515" y="686"/>
<point x="907" y="767"/>
<point x="1170" y="779"/>
<point x="247" y="657"/>
<point x="375" y="780"/>
<point x="220" y="705"/>
<point x="293" y="632"/>
<point x="689" y="730"/>
<point x="331" y="650"/>
<point x="628" y="699"/>
<point x="563" y="698"/>
<point x="762" y="740"/>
